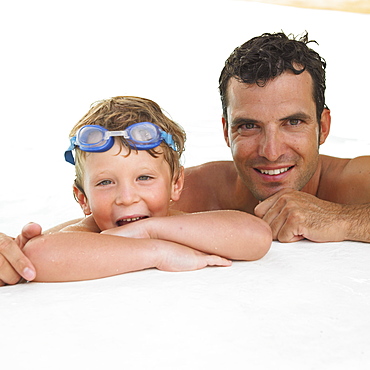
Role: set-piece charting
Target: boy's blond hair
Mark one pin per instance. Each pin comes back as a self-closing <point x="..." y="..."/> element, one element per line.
<point x="118" y="113"/>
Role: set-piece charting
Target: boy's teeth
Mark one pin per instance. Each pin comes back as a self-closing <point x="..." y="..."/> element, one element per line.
<point x="274" y="172"/>
<point x="132" y="219"/>
<point x="125" y="221"/>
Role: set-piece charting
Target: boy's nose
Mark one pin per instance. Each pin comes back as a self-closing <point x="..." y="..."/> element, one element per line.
<point x="127" y="195"/>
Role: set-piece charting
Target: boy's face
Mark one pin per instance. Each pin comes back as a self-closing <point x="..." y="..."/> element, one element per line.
<point x="122" y="189"/>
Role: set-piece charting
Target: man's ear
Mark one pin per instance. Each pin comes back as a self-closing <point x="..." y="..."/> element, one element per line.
<point x="324" y="125"/>
<point x="177" y="185"/>
<point x="226" y="131"/>
<point x="82" y="200"/>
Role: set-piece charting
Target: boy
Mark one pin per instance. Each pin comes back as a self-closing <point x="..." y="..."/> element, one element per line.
<point x="127" y="160"/>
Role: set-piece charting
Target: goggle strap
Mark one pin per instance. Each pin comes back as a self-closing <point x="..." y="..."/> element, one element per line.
<point x="168" y="139"/>
<point x="68" y="156"/>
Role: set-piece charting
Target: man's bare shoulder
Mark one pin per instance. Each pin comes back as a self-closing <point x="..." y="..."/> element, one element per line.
<point x="211" y="170"/>
<point x="206" y="186"/>
<point x="345" y="180"/>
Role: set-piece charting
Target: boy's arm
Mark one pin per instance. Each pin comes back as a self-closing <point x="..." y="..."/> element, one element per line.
<point x="72" y="256"/>
<point x="14" y="265"/>
<point x="230" y="234"/>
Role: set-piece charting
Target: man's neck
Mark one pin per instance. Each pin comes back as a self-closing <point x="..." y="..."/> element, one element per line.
<point x="312" y="187"/>
<point x="242" y="198"/>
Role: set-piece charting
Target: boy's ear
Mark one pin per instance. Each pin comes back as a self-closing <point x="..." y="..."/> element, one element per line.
<point x="82" y="200"/>
<point x="178" y="185"/>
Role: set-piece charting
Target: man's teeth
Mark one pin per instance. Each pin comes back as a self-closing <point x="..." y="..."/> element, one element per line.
<point x="274" y="172"/>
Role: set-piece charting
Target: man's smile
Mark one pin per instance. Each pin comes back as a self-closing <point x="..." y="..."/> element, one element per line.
<point x="274" y="172"/>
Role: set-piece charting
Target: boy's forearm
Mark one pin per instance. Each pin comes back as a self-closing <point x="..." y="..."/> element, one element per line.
<point x="230" y="234"/>
<point x="71" y="256"/>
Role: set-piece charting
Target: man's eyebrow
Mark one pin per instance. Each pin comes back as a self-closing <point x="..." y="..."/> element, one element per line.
<point x="299" y="115"/>
<point x="242" y="121"/>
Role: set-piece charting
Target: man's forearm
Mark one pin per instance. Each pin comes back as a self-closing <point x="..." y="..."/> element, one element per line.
<point x="357" y="219"/>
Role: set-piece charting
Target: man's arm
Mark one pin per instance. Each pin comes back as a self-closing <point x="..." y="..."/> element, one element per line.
<point x="230" y="234"/>
<point x="295" y="215"/>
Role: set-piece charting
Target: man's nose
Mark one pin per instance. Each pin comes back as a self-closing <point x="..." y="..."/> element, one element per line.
<point x="271" y="145"/>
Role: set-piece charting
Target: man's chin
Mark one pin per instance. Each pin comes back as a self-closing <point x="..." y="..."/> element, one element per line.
<point x="263" y="194"/>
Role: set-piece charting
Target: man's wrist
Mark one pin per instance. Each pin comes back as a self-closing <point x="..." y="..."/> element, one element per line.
<point x="356" y="224"/>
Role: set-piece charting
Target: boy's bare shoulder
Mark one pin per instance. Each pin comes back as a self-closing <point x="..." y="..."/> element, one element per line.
<point x="86" y="224"/>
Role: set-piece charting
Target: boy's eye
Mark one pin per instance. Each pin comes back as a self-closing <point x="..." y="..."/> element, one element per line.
<point x="105" y="182"/>
<point x="144" y="178"/>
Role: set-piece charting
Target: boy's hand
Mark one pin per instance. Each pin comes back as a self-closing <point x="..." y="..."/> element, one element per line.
<point x="139" y="230"/>
<point x="180" y="258"/>
<point x="13" y="263"/>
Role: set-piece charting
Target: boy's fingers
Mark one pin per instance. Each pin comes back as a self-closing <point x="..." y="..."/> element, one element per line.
<point x="214" y="260"/>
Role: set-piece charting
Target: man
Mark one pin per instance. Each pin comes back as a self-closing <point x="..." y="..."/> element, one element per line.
<point x="274" y="119"/>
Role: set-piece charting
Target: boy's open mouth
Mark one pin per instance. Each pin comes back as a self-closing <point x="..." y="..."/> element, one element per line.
<point x="125" y="221"/>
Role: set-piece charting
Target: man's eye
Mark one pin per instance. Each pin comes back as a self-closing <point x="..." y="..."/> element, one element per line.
<point x="294" y="122"/>
<point x="246" y="127"/>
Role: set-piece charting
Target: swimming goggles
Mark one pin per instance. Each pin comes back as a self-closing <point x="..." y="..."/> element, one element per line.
<point x="141" y="136"/>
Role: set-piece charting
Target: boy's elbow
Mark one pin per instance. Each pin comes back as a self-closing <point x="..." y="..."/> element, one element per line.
<point x="35" y="250"/>
<point x="265" y="242"/>
<point x="259" y="243"/>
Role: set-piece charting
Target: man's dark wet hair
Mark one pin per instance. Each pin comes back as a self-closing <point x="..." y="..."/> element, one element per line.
<point x="265" y="57"/>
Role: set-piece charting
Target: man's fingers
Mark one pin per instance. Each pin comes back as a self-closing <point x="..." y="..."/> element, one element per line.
<point x="263" y="207"/>
<point x="29" y="231"/>
<point x="13" y="262"/>
<point x="7" y="274"/>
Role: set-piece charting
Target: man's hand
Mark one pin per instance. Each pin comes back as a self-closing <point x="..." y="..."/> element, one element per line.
<point x="13" y="263"/>
<point x="295" y="215"/>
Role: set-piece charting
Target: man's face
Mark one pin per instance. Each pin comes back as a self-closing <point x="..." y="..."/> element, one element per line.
<point x="273" y="133"/>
